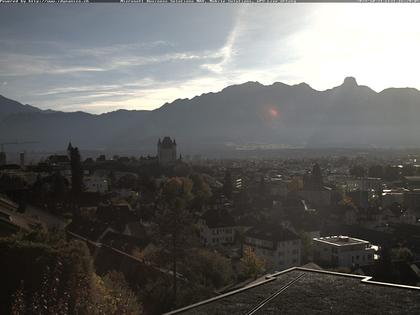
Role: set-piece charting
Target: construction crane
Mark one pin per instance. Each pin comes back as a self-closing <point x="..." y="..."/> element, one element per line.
<point x="16" y="142"/>
<point x="3" y="154"/>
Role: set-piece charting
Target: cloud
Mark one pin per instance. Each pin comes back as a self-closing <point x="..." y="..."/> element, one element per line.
<point x="320" y="45"/>
<point x="101" y="60"/>
<point x="28" y="65"/>
<point x="118" y="48"/>
<point x="379" y="48"/>
<point x="226" y="53"/>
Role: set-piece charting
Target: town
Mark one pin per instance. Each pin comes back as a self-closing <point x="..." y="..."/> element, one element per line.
<point x="175" y="230"/>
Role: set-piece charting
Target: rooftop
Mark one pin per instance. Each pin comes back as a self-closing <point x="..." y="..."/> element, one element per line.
<point x="307" y="291"/>
<point x="166" y="142"/>
<point x="271" y="232"/>
<point x="340" y="240"/>
<point x="217" y="218"/>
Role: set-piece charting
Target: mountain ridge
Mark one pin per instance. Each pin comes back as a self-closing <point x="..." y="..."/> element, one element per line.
<point x="286" y="115"/>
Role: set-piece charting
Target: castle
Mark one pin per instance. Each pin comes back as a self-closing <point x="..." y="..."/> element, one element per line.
<point x="166" y="150"/>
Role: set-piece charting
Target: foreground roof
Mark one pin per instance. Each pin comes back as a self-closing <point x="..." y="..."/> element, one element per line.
<point x="308" y="291"/>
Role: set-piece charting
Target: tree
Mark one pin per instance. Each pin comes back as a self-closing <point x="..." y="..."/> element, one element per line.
<point x="376" y="171"/>
<point x="254" y="266"/>
<point x="228" y="185"/>
<point x="262" y="186"/>
<point x="409" y="170"/>
<point x="175" y="222"/>
<point x="295" y="184"/>
<point x="402" y="254"/>
<point x="76" y="173"/>
<point x="316" y="175"/>
<point x="384" y="271"/>
<point x="119" y="298"/>
<point x="201" y="191"/>
<point x="58" y="187"/>
<point x="128" y="181"/>
<point x="391" y="173"/>
<point x="47" y="270"/>
<point x="48" y="274"/>
<point x="111" y="179"/>
<point x="358" y="171"/>
<point x="209" y="269"/>
<point x="306" y="246"/>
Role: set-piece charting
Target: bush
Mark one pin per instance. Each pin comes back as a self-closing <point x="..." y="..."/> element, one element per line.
<point x="44" y="273"/>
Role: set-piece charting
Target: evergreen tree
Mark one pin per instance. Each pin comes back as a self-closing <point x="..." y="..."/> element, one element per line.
<point x="358" y="171"/>
<point x="228" y="185"/>
<point x="316" y="175"/>
<point x="175" y="222"/>
<point x="201" y="191"/>
<point x="59" y="187"/>
<point x="376" y="171"/>
<point x="76" y="173"/>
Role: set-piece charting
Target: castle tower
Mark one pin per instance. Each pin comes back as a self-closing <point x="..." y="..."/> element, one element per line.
<point x="166" y="150"/>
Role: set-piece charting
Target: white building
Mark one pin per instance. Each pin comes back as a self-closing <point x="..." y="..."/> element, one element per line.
<point x="363" y="184"/>
<point x="95" y="184"/>
<point x="342" y="251"/>
<point x="279" y="247"/>
<point x="216" y="227"/>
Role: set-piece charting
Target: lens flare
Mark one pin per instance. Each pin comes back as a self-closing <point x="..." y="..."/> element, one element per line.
<point x="274" y="112"/>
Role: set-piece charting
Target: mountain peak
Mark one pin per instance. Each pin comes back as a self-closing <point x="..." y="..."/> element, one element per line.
<point x="350" y="81"/>
<point x="303" y="85"/>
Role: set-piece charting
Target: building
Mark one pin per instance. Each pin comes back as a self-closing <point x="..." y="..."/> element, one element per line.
<point x="277" y="187"/>
<point x="217" y="227"/>
<point x="310" y="291"/>
<point x="342" y="251"/>
<point x="318" y="197"/>
<point x="391" y="196"/>
<point x="166" y="150"/>
<point x="12" y="221"/>
<point x="279" y="247"/>
<point x="359" y="198"/>
<point x="22" y="159"/>
<point x="369" y="184"/>
<point x="95" y="184"/>
<point x="2" y="158"/>
<point x="412" y="182"/>
<point x="58" y="161"/>
<point x="411" y="199"/>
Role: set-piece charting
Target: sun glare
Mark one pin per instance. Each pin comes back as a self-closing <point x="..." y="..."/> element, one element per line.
<point x="274" y="112"/>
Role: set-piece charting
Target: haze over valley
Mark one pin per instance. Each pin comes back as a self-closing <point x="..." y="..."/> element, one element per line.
<point x="240" y="117"/>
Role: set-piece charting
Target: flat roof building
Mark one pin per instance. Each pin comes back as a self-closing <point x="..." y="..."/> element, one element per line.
<point x="342" y="251"/>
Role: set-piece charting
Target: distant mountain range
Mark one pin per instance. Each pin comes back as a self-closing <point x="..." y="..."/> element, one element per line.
<point x="245" y="116"/>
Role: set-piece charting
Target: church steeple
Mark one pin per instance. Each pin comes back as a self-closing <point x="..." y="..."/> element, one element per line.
<point x="69" y="148"/>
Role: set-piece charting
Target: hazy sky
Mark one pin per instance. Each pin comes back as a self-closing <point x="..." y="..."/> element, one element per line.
<point x="103" y="57"/>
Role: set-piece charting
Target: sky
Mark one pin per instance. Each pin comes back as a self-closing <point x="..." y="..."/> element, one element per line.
<point x="103" y="57"/>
